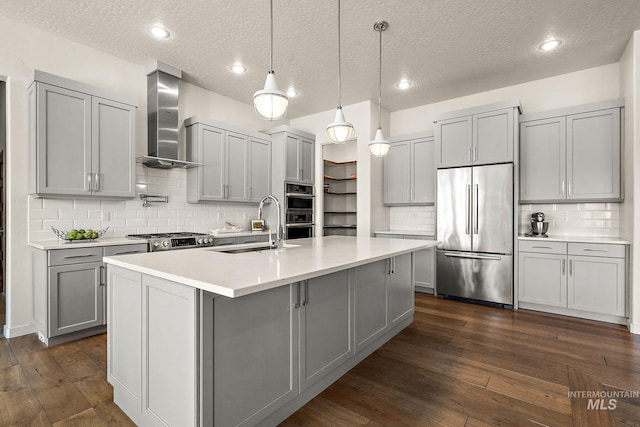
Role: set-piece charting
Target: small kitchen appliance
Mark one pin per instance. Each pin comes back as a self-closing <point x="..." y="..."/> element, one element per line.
<point x="539" y="226"/>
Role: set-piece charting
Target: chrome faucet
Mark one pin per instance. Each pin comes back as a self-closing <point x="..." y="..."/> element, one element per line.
<point x="279" y="231"/>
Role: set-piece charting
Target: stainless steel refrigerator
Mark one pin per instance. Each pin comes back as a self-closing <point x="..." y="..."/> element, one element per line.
<point x="475" y="213"/>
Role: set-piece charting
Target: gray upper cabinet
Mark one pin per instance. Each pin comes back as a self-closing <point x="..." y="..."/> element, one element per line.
<point x="82" y="140"/>
<point x="543" y="159"/>
<point x="409" y="171"/>
<point x="397" y="178"/>
<point x="236" y="163"/>
<point x="293" y="154"/>
<point x="477" y="136"/>
<point x="259" y="169"/>
<point x="572" y="154"/>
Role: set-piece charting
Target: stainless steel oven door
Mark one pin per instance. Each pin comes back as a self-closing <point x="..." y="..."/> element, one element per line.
<point x="298" y="231"/>
<point x="299" y="216"/>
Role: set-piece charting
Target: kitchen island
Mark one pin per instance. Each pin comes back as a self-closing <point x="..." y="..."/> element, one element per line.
<point x="203" y="337"/>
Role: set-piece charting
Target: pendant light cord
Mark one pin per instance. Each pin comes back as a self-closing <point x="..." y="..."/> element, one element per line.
<point x="380" y="84"/>
<point x="271" y="54"/>
<point x="339" y="62"/>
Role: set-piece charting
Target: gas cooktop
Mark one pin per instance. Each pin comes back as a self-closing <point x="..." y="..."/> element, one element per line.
<point x="174" y="240"/>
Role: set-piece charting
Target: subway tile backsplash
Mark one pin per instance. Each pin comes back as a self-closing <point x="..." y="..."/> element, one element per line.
<point x="575" y="219"/>
<point x="413" y="218"/>
<point x="567" y="219"/>
<point x="129" y="217"/>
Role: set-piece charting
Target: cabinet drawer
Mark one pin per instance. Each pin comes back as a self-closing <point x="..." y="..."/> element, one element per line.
<point x="75" y="256"/>
<point x="597" y="249"/>
<point x="224" y="241"/>
<point x="544" y="247"/>
<point x="125" y="249"/>
<point x="253" y="239"/>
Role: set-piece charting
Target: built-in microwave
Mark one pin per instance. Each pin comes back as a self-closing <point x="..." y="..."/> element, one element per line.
<point x="298" y="196"/>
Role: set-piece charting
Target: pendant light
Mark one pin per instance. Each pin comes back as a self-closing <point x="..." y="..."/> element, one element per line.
<point x="379" y="147"/>
<point x="270" y="103"/>
<point x="340" y="131"/>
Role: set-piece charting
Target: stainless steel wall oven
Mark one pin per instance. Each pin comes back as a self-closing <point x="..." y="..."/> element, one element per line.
<point x="299" y="205"/>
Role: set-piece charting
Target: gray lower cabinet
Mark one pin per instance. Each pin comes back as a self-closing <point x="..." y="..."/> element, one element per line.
<point x="326" y="325"/>
<point x="476" y="136"/>
<point x="82" y="145"/>
<point x="401" y="296"/>
<point x="572" y="155"/>
<point x="578" y="279"/>
<point x="236" y="163"/>
<point x="424" y="262"/>
<point x="69" y="291"/>
<point x="371" y="301"/>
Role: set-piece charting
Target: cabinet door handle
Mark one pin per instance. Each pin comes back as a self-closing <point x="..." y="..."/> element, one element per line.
<point x="562" y="187"/>
<point x="99" y="275"/>
<point x="89" y="183"/>
<point x="413" y="193"/>
<point x="96" y="182"/>
<point x="297" y="304"/>
<point x="564" y="263"/>
<point x="569" y="187"/>
<point x="469" y="154"/>
<point x="77" y="256"/>
<point x="570" y="267"/>
<point x="306" y="293"/>
<point x="475" y="153"/>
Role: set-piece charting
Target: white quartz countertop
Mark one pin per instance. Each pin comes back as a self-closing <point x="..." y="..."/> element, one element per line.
<point x="235" y="275"/>
<point x="579" y="239"/>
<point x="102" y="241"/>
<point x="406" y="232"/>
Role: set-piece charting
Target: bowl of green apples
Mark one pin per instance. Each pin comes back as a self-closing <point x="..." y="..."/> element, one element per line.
<point x="79" y="235"/>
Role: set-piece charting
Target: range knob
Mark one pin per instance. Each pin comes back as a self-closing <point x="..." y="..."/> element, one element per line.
<point x="206" y="241"/>
<point x="156" y="244"/>
<point x="199" y="241"/>
<point x="165" y="243"/>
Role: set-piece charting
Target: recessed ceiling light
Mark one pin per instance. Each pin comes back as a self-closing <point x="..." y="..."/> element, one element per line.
<point x="550" y="44"/>
<point x="159" y="32"/>
<point x="403" y="84"/>
<point x="238" y="68"/>
<point x="291" y="92"/>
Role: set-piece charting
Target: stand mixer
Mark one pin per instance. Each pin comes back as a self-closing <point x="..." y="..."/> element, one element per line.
<point x="539" y="226"/>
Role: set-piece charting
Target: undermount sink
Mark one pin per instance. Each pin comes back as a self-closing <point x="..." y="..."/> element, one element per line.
<point x="258" y="249"/>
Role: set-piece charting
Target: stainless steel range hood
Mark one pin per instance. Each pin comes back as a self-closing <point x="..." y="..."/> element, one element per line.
<point x="163" y="126"/>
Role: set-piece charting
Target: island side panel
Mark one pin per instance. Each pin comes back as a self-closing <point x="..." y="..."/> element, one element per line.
<point x="152" y="348"/>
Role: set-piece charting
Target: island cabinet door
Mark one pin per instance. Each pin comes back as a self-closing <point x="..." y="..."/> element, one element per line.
<point x="326" y="325"/>
<point x="401" y="288"/>
<point x="370" y="289"/>
<point x="249" y="356"/>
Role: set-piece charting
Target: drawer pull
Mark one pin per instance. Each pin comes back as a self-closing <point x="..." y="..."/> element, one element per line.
<point x="127" y="252"/>
<point x="595" y="250"/>
<point x="542" y="247"/>
<point x="78" y="256"/>
<point x="564" y="263"/>
<point x="250" y="241"/>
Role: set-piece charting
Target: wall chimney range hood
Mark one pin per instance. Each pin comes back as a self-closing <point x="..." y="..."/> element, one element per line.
<point x="162" y="119"/>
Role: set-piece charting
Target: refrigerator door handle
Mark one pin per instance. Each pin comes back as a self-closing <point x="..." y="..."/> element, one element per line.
<point x="472" y="256"/>
<point x="467" y="219"/>
<point x="476" y="211"/>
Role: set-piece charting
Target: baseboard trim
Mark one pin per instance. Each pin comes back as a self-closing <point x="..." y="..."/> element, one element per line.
<point x="18" y="331"/>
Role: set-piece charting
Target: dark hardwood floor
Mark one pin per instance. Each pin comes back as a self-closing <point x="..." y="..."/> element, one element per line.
<point x="458" y="364"/>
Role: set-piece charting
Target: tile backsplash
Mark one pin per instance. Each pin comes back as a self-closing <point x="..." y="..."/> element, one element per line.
<point x="129" y="217"/>
<point x="415" y="218"/>
<point x="575" y="219"/>
<point x="567" y="219"/>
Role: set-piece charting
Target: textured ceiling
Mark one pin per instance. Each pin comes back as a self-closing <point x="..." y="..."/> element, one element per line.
<point x="447" y="48"/>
